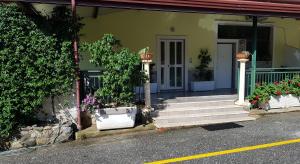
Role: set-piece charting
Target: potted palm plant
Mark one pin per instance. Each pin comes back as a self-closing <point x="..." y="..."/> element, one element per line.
<point x="203" y="77"/>
<point x="120" y="73"/>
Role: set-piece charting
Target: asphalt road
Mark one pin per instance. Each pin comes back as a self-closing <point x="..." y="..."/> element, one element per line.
<point x="153" y="146"/>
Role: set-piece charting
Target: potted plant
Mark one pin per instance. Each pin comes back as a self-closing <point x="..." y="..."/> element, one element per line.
<point x="281" y="94"/>
<point x="90" y="105"/>
<point x="120" y="73"/>
<point x="203" y="76"/>
<point x="243" y="55"/>
<point x="146" y="55"/>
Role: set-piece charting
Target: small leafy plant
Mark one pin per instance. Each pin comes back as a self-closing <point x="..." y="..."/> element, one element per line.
<point x="91" y="104"/>
<point x="203" y="72"/>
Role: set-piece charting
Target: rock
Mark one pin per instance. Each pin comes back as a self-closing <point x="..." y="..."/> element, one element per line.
<point x="47" y="127"/>
<point x="35" y="134"/>
<point x="30" y="142"/>
<point x="64" y="135"/>
<point x="56" y="126"/>
<point x="38" y="129"/>
<point x="42" y="141"/>
<point x="25" y="137"/>
<point x="29" y="127"/>
<point x="26" y="129"/>
<point x="47" y="133"/>
<point x="16" y="145"/>
<point x="23" y="133"/>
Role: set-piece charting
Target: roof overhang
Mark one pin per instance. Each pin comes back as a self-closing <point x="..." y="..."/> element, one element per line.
<point x="280" y="8"/>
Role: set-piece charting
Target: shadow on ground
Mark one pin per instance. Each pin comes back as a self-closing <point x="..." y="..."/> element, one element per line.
<point x="222" y="126"/>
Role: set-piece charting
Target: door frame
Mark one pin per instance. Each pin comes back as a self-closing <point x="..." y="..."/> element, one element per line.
<point x="234" y="62"/>
<point x="185" y="58"/>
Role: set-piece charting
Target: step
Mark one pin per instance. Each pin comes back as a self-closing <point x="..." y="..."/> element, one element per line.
<point x="198" y="98"/>
<point x="202" y="108"/>
<point x="196" y="110"/>
<point x="213" y="103"/>
<point x="201" y="116"/>
<point x="203" y="122"/>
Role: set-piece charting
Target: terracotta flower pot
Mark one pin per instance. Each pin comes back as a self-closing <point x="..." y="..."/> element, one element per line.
<point x="242" y="55"/>
<point x="146" y="56"/>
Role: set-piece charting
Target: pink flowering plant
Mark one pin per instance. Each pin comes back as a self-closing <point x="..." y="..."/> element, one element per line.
<point x="91" y="104"/>
<point x="264" y="91"/>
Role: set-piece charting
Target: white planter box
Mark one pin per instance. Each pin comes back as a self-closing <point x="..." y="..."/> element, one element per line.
<point x="292" y="101"/>
<point x="283" y="101"/>
<point x="115" y="118"/>
<point x="202" y="85"/>
<point x="153" y="87"/>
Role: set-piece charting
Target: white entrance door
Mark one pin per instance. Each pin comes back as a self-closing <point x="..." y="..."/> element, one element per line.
<point x="171" y="64"/>
<point x="224" y="65"/>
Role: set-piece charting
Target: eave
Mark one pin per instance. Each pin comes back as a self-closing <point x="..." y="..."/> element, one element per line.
<point x="280" y="8"/>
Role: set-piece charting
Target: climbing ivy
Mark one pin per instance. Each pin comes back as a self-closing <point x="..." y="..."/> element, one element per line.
<point x="34" y="64"/>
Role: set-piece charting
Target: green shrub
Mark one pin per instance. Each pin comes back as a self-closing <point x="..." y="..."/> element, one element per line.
<point x="120" y="70"/>
<point x="33" y="66"/>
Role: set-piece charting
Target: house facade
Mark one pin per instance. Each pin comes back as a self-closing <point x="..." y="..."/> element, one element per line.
<point x="176" y="31"/>
<point x="176" y="38"/>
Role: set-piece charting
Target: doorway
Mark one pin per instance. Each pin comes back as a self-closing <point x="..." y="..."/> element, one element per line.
<point x="226" y="64"/>
<point x="171" y="62"/>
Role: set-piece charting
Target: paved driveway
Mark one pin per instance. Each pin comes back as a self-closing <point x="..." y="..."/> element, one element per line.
<point x="153" y="146"/>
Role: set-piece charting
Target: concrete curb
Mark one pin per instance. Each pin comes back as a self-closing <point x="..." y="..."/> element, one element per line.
<point x="258" y="112"/>
<point x="92" y="132"/>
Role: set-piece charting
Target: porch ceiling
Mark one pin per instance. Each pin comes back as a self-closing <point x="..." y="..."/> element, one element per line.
<point x="282" y="8"/>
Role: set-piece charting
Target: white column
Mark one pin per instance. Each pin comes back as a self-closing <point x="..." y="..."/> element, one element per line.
<point x="241" y="100"/>
<point x="147" y="85"/>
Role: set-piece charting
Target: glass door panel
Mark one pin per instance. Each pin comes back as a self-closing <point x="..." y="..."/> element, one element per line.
<point x="171" y="61"/>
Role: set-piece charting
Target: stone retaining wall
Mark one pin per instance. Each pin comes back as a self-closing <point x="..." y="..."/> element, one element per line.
<point x="62" y="131"/>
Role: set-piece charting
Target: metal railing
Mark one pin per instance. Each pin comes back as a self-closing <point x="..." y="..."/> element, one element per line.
<point x="270" y="75"/>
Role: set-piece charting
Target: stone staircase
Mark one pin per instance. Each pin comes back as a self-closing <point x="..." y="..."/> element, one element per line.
<point x="199" y="110"/>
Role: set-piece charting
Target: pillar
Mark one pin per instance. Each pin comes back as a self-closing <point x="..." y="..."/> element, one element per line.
<point x="77" y="71"/>
<point x="241" y="100"/>
<point x="253" y="61"/>
<point x="147" y="89"/>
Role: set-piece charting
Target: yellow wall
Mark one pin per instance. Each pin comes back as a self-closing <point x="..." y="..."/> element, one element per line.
<point x="138" y="29"/>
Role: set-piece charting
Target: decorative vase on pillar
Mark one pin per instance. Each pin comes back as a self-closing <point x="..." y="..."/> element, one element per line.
<point x="242" y="55"/>
<point x="146" y="56"/>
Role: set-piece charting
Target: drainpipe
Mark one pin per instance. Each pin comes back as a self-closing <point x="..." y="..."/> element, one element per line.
<point x="77" y="71"/>
<point x="253" y="62"/>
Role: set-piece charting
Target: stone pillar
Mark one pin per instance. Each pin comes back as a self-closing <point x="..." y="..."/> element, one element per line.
<point x="147" y="89"/>
<point x="241" y="100"/>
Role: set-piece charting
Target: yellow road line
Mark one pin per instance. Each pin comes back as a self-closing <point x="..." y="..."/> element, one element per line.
<point x="231" y="151"/>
